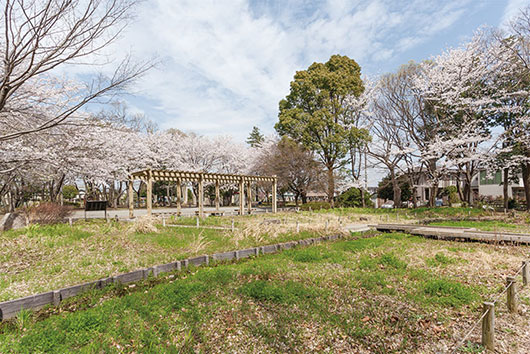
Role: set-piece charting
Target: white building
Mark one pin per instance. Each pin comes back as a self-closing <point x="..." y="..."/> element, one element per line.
<point x="492" y="186"/>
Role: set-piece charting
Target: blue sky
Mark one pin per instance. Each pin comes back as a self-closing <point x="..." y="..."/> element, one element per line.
<point x="226" y="64"/>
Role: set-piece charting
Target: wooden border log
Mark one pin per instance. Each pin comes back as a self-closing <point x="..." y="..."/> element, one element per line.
<point x="488" y="325"/>
<point x="511" y="294"/>
<point x="10" y="309"/>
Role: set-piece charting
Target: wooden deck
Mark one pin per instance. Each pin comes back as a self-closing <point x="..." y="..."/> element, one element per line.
<point x="455" y="233"/>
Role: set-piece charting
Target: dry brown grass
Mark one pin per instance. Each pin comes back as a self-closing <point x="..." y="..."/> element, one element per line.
<point x="144" y="225"/>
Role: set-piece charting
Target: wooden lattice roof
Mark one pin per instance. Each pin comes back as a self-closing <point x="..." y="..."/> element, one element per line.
<point x="168" y="175"/>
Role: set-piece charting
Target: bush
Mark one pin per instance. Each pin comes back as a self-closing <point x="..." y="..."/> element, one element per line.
<point x="48" y="213"/>
<point x="513" y="204"/>
<point x="70" y="192"/>
<point x="451" y="192"/>
<point x="315" y="206"/>
<point x="352" y="198"/>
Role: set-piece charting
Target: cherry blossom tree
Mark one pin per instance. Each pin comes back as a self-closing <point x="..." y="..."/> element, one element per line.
<point x="41" y="36"/>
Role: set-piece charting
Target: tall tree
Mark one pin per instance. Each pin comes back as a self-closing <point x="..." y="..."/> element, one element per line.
<point x="314" y="110"/>
<point x="293" y="164"/>
<point x="255" y="139"/>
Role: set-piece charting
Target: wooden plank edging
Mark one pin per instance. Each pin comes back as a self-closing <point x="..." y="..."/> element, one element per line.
<point x="9" y="309"/>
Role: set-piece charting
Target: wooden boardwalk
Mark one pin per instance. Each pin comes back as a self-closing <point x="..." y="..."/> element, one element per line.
<point x="455" y="233"/>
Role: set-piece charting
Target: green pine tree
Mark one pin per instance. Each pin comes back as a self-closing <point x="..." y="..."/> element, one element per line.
<point x="255" y="139"/>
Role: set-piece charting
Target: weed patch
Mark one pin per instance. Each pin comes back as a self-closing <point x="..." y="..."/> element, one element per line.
<point x="441" y="259"/>
<point x="447" y="292"/>
<point x="288" y="292"/>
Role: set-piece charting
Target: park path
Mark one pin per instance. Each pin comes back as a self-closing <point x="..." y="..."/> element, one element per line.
<point x="356" y="227"/>
<point x="124" y="213"/>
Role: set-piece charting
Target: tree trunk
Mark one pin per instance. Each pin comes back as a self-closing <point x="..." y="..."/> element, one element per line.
<point x="331" y="187"/>
<point x="296" y="199"/>
<point x="397" y="191"/>
<point x="526" y="182"/>
<point x="362" y="198"/>
<point x="461" y="193"/>
<point x="414" y="197"/>
<point x="434" y="193"/>
<point x="303" y="195"/>
<point x="506" y="173"/>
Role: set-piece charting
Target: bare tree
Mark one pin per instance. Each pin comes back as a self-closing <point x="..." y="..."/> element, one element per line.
<point x="296" y="167"/>
<point x="418" y="122"/>
<point x="39" y="36"/>
<point x="385" y="131"/>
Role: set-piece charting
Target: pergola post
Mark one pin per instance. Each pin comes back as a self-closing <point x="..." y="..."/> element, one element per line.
<point x="130" y="194"/>
<point x="201" y="197"/>
<point x="179" y="195"/>
<point x="249" y="197"/>
<point x="150" y="176"/>
<point x="241" y="196"/>
<point x="274" y="202"/>
<point x="217" y="195"/>
<point x="149" y="192"/>
<point x="185" y="194"/>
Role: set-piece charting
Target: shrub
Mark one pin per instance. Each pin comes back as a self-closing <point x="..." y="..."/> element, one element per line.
<point x="315" y="206"/>
<point x="70" y="192"/>
<point x="513" y="204"/>
<point x="451" y="192"/>
<point x="352" y="198"/>
<point x="48" y="213"/>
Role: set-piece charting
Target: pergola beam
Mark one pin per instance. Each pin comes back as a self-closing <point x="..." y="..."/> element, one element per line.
<point x="149" y="176"/>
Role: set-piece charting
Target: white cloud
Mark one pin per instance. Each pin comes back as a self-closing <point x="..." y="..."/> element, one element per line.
<point x="226" y="64"/>
<point x="512" y="9"/>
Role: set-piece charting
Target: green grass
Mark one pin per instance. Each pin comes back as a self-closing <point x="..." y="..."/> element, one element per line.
<point x="421" y="212"/>
<point x="207" y="221"/>
<point x="369" y="294"/>
<point x="41" y="258"/>
<point x="486" y="225"/>
<point x="440" y="259"/>
<point x="449" y="292"/>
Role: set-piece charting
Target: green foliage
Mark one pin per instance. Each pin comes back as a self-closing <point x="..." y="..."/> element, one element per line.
<point x="313" y="113"/>
<point x="255" y="139"/>
<point x="352" y="198"/>
<point x="385" y="190"/>
<point x="513" y="204"/>
<point x="70" y="192"/>
<point x="452" y="193"/>
<point x="310" y="113"/>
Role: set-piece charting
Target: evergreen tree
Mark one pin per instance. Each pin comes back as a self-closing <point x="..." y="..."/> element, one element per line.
<point x="255" y="139"/>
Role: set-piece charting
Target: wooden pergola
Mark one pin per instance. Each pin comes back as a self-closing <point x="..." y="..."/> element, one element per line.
<point x="149" y="176"/>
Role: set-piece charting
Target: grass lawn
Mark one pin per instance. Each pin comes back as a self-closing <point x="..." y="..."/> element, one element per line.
<point x="42" y="258"/>
<point x="487" y="225"/>
<point x="389" y="293"/>
<point x="421" y="212"/>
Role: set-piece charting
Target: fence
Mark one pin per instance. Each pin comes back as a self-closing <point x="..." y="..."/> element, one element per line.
<point x="488" y="309"/>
